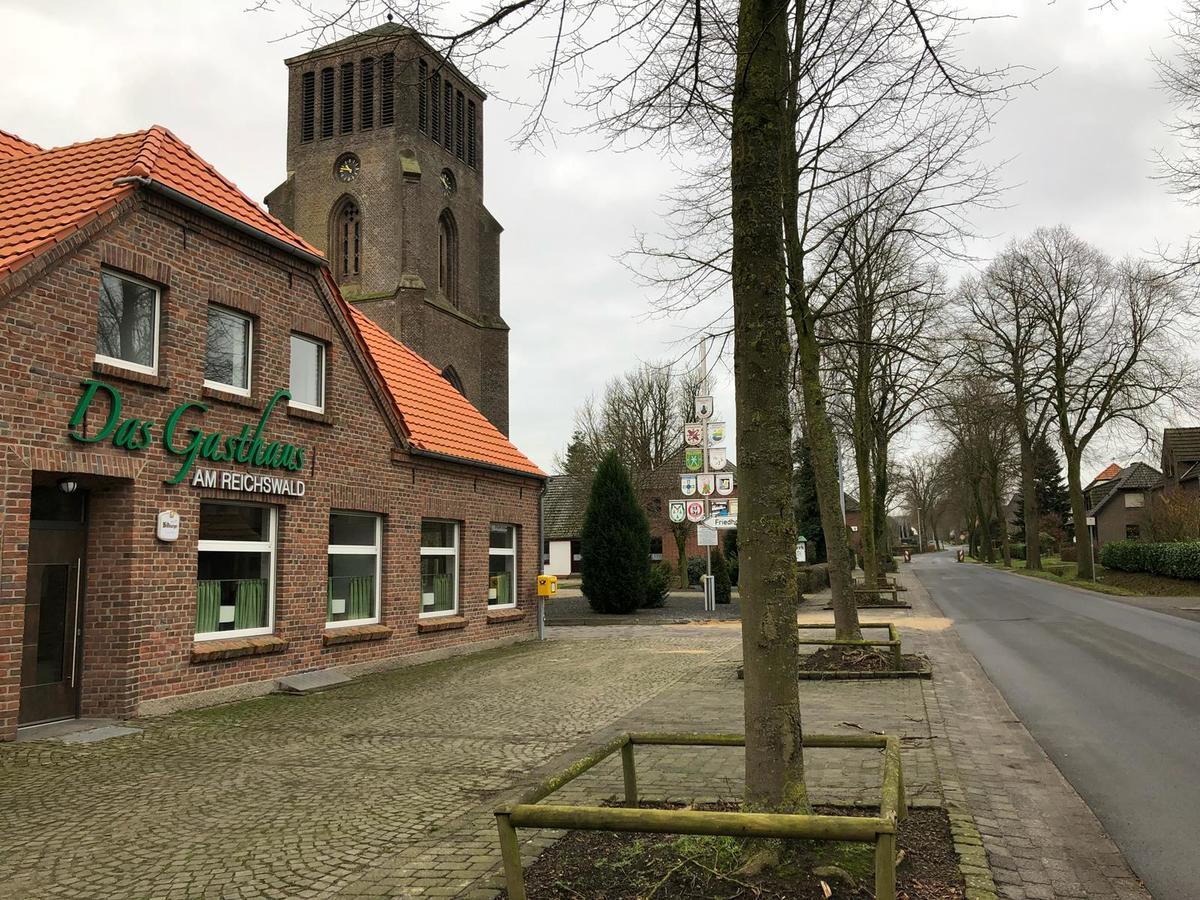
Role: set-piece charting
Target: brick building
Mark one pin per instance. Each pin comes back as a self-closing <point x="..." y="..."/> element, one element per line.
<point x="385" y="176"/>
<point x="213" y="471"/>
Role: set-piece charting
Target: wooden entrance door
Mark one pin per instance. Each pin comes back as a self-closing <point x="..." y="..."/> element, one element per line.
<point x="53" y="623"/>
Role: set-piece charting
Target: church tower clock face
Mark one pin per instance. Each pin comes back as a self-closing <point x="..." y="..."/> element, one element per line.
<point x="346" y="168"/>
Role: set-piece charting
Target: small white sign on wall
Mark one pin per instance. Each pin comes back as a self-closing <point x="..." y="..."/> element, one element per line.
<point x="168" y="525"/>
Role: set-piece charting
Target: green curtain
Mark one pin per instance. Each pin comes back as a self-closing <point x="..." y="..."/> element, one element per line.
<point x="443" y="592"/>
<point x="250" y="604"/>
<point x="362" y="597"/>
<point x="208" y="606"/>
<point x="503" y="585"/>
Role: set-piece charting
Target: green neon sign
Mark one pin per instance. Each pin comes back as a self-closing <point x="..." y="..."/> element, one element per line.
<point x="188" y="441"/>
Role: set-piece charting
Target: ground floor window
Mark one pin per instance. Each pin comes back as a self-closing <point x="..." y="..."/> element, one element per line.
<point x="235" y="588"/>
<point x="354" y="540"/>
<point x="1133" y="532"/>
<point x="502" y="566"/>
<point x="439" y="568"/>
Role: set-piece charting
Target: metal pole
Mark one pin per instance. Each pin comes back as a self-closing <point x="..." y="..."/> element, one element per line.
<point x="709" y="597"/>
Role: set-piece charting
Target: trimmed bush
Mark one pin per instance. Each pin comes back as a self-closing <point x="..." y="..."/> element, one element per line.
<point x="1017" y="551"/>
<point x="720" y="570"/>
<point x="658" y="585"/>
<point x="615" y="542"/>
<point x="1069" y="553"/>
<point x="1175" y="560"/>
<point x="696" y="568"/>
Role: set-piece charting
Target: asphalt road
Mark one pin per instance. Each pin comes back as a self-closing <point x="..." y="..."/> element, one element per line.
<point x="1110" y="691"/>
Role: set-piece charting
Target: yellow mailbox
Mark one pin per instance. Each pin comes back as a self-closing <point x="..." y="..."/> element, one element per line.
<point x="547" y="585"/>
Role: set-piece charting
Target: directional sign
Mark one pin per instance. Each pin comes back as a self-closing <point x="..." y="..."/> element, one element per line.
<point x="721" y="522"/>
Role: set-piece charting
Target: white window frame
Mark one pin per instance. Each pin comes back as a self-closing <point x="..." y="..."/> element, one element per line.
<point x="1135" y="500"/>
<point x="503" y="551"/>
<point x="270" y="546"/>
<point x="361" y="550"/>
<point x="324" y="359"/>
<point x="124" y="363"/>
<point x="220" y="385"/>
<point x="442" y="551"/>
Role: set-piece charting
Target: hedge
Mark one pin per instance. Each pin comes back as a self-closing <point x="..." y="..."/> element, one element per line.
<point x="1175" y="560"/>
<point x="1016" y="551"/>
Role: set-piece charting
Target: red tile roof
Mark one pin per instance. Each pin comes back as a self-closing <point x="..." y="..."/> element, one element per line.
<point x="437" y="417"/>
<point x="1108" y="474"/>
<point x="12" y="146"/>
<point x="47" y="195"/>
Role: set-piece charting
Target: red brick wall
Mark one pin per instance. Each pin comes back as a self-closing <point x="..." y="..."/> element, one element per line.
<point x="139" y="610"/>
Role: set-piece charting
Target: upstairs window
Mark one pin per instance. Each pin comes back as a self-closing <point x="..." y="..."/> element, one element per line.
<point x="387" y="88"/>
<point x="326" y="103"/>
<point x="1135" y="501"/>
<point x="307" y="382"/>
<point x="458" y="124"/>
<point x="447" y="114"/>
<point x="347" y="123"/>
<point x="367" y="91"/>
<point x="423" y="96"/>
<point x="471" y="136"/>
<point x="308" y="103"/>
<point x="127" y="333"/>
<point x="227" y="351"/>
<point x="347" y="240"/>
<point x="448" y="257"/>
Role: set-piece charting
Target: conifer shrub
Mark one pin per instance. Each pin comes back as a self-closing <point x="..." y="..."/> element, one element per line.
<point x="658" y="585"/>
<point x="615" y="542"/>
<point x="720" y="570"/>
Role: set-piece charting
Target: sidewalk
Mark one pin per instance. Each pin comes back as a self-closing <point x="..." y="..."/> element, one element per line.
<point x="386" y="787"/>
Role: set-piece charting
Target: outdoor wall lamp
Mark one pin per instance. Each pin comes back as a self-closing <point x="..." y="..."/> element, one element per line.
<point x="68" y="485"/>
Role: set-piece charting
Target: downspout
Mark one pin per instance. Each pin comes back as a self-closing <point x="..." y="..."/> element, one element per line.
<point x="541" y="602"/>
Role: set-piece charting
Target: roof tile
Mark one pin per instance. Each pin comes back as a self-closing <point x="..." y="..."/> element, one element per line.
<point x="437" y="417"/>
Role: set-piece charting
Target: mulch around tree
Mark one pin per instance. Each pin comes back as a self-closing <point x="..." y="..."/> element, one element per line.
<point x="860" y="660"/>
<point x="599" y="865"/>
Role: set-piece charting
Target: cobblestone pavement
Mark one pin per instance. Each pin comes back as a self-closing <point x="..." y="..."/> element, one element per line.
<point x="570" y="607"/>
<point x="386" y="787"/>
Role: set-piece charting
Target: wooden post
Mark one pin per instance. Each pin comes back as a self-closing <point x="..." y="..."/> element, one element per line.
<point x="885" y="867"/>
<point x="630" y="773"/>
<point x="897" y="659"/>
<point x="510" y="852"/>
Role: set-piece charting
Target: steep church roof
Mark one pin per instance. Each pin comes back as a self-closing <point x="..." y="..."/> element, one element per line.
<point x="48" y="195"/>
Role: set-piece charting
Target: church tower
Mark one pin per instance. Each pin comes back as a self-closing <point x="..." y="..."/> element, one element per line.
<point x="385" y="175"/>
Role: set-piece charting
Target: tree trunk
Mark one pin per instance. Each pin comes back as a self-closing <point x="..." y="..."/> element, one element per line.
<point x="1002" y="519"/>
<point x="767" y="542"/>
<point x="680" y="533"/>
<point x="866" y="502"/>
<point x="883" y="533"/>
<point x="1029" y="503"/>
<point x="1079" y="511"/>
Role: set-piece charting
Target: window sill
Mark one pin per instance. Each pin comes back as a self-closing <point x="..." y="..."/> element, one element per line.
<point x="212" y="651"/>
<point x="440" y="623"/>
<point x="213" y="393"/>
<point x="309" y="415"/>
<point x="110" y="371"/>
<point x="505" y="614"/>
<point x="355" y="634"/>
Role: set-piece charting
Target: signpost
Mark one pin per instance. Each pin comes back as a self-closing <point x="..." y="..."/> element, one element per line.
<point x="704" y="456"/>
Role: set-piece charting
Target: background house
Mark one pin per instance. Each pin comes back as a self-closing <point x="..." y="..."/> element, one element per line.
<point x="1181" y="459"/>
<point x="1119" y="503"/>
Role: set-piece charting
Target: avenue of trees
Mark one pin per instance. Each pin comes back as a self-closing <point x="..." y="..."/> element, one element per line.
<point x="840" y="140"/>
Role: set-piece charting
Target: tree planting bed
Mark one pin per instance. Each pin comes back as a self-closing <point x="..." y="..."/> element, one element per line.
<point x="864" y="659"/>
<point x="596" y="865"/>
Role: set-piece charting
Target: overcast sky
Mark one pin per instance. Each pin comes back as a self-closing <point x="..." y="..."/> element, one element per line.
<point x="1081" y="145"/>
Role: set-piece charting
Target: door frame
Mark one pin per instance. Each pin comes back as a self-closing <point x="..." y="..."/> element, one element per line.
<point x="39" y="527"/>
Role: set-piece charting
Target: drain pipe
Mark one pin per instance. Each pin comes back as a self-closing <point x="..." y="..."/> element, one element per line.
<point x="541" y="601"/>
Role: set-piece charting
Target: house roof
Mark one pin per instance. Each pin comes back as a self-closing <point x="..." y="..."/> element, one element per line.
<point x="1109" y="473"/>
<point x="1135" y="477"/>
<point x="47" y="195"/>
<point x="12" y="146"/>
<point x="564" y="505"/>
<point x="1182" y="443"/>
<point x="437" y="417"/>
